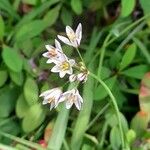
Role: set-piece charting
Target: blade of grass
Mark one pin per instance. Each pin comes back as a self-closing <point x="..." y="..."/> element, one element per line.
<point x="143" y="49"/>
<point x="84" y="115"/>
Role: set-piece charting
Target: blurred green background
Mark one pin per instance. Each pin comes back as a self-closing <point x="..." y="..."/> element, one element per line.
<point x="115" y="45"/>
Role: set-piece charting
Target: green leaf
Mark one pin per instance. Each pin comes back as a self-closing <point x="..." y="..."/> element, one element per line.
<point x="31" y="91"/>
<point x="21" y="107"/>
<point x="145" y="4"/>
<point x="16" y="77"/>
<point x="127" y="7"/>
<point x="6" y="6"/>
<point x="33" y="118"/>
<point x="3" y="77"/>
<point x="2" y="28"/>
<point x="66" y="17"/>
<point x="136" y="72"/>
<point x="12" y="59"/>
<point x="100" y="93"/>
<point x="30" y="30"/>
<point x="115" y="138"/>
<point x="128" y="56"/>
<point x="51" y="16"/>
<point x="77" y="6"/>
<point x="35" y="12"/>
<point x="8" y="97"/>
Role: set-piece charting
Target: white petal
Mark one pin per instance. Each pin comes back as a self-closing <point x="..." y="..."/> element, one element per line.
<point x="69" y="104"/>
<point x="70" y="71"/>
<point x="49" y="61"/>
<point x="45" y="93"/>
<point x="69" y="30"/>
<point x="49" y="47"/>
<point x="72" y="78"/>
<point x="62" y="74"/>
<point x="79" y="33"/>
<point x="71" y="62"/>
<point x="62" y="98"/>
<point x="45" y="101"/>
<point x="81" y="76"/>
<point x="65" y="40"/>
<point x="46" y="54"/>
<point x="78" y="104"/>
<point x="55" y="69"/>
<point x="57" y="45"/>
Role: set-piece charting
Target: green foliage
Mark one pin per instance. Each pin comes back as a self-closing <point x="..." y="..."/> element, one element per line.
<point x="31" y="91"/>
<point x="115" y="46"/>
<point x="12" y="59"/>
<point x="127" y="7"/>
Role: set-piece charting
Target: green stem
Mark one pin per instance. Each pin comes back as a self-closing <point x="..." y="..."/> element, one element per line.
<point x="113" y="100"/>
<point x="80" y="55"/>
<point x="103" y="54"/>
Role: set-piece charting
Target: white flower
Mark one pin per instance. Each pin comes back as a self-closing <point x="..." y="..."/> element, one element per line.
<point x="51" y="97"/>
<point x="74" y="38"/>
<point x="82" y="77"/>
<point x="53" y="53"/>
<point x="79" y="77"/>
<point x="72" y="97"/>
<point x="63" y="66"/>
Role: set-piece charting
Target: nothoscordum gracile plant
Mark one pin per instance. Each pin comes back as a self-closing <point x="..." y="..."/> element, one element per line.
<point x="76" y="72"/>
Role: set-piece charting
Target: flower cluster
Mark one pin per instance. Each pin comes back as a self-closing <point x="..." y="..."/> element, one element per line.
<point x="63" y="65"/>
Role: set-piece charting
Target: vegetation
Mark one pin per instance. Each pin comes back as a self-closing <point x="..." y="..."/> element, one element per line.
<point x="116" y="97"/>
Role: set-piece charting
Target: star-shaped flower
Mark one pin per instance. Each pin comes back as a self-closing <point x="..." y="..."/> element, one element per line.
<point x="63" y="66"/>
<point x="53" y="53"/>
<point x="74" y="38"/>
<point x="72" y="97"/>
<point x="51" y="97"/>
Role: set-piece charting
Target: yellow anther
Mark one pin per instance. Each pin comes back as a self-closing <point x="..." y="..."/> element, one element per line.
<point x="65" y="66"/>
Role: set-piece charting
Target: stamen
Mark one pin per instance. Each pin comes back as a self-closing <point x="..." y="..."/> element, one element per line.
<point x="65" y="66"/>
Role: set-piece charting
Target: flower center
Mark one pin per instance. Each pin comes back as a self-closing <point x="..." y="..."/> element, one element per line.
<point x="72" y="36"/>
<point x="65" y="66"/>
<point x="52" y="53"/>
<point x="72" y="98"/>
<point x="51" y="99"/>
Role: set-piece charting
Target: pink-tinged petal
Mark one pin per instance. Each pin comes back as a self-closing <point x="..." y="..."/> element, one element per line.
<point x="55" y="69"/>
<point x="62" y="74"/>
<point x="79" y="33"/>
<point x="49" y="47"/>
<point x="78" y="104"/>
<point x="57" y="45"/>
<point x="46" y="54"/>
<point x="69" y="104"/>
<point x="65" y="40"/>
